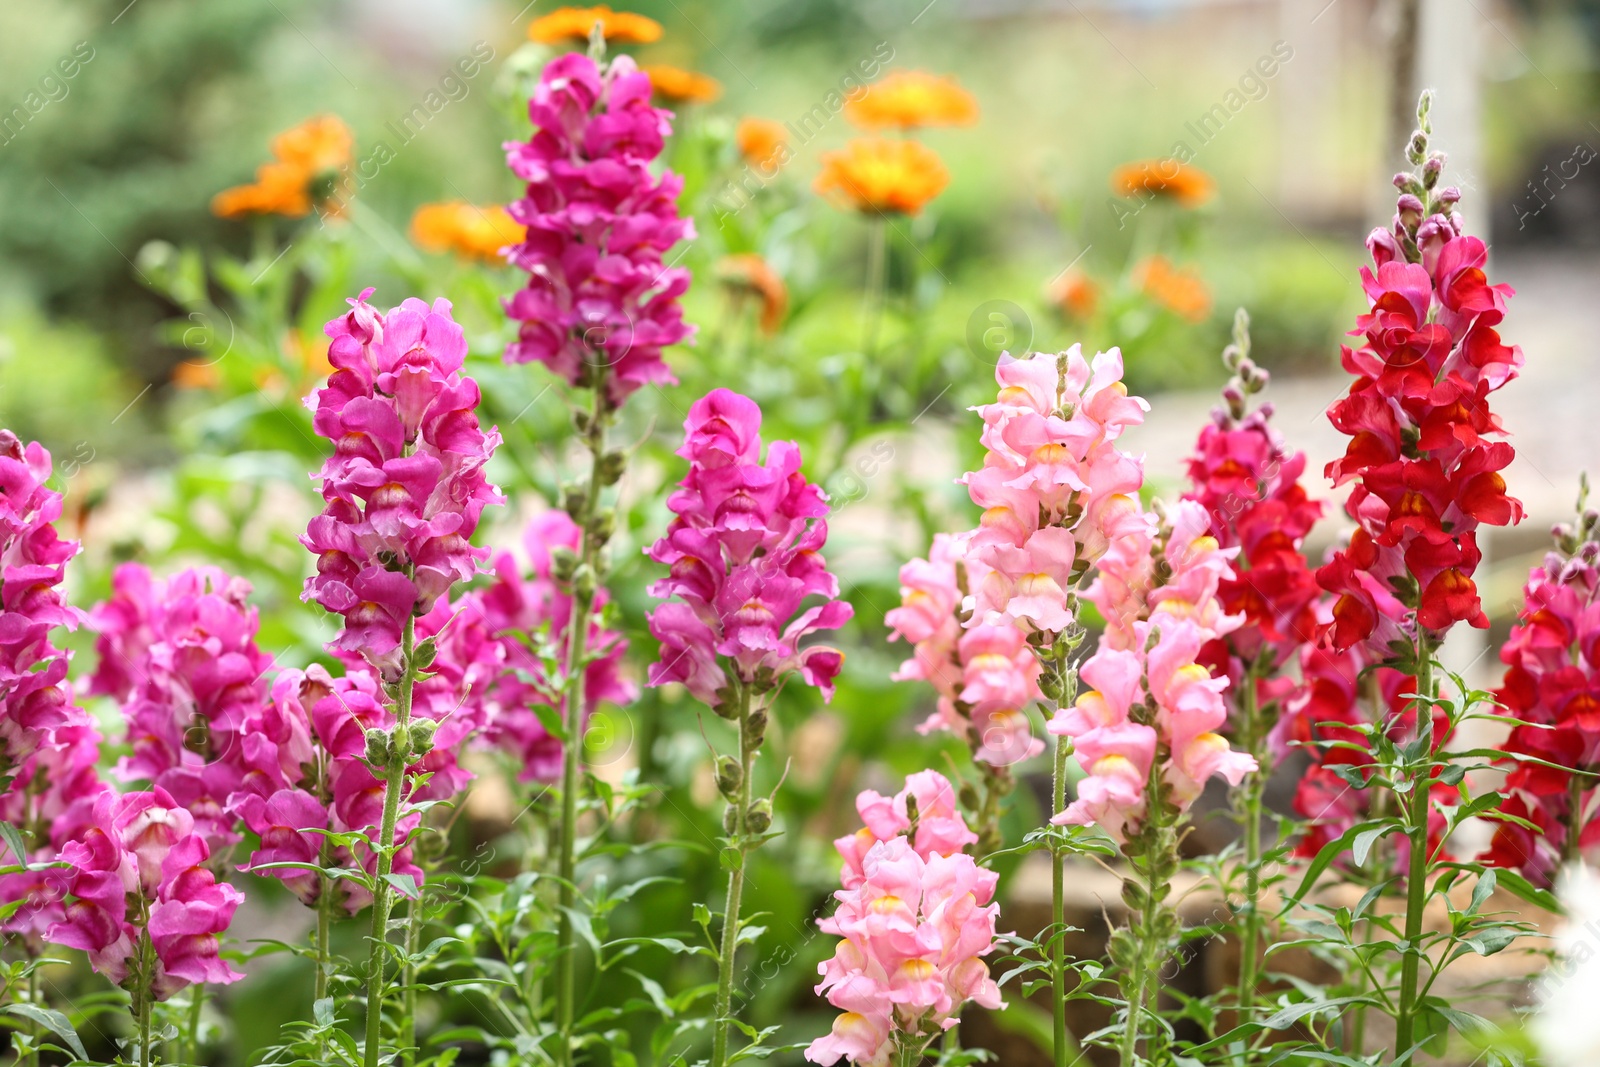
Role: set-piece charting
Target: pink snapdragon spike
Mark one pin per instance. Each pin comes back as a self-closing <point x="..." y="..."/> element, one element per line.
<point x="500" y="678"/>
<point x="138" y="874"/>
<point x="1055" y="489"/>
<point x="1552" y="688"/>
<point x="744" y="552"/>
<point x="984" y="676"/>
<point x="35" y="697"/>
<point x="915" y="917"/>
<point x="405" y="485"/>
<point x="599" y="300"/>
<point x="52" y="800"/>
<point x="181" y="657"/>
<point x="1425" y="453"/>
<point x="1157" y="623"/>
<point x="1249" y="483"/>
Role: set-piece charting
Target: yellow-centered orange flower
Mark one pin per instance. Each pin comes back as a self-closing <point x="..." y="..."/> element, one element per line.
<point x="465" y="229"/>
<point x="1187" y="185"/>
<point x="1179" y="289"/>
<point x="678" y="86"/>
<point x="749" y="273"/>
<point x="308" y="159"/>
<point x="878" y="174"/>
<point x="574" y="24"/>
<point x="762" y="142"/>
<point x="912" y="98"/>
<point x="1075" y="293"/>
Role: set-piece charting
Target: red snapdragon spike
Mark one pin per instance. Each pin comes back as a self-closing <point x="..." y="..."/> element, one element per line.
<point x="744" y="555"/>
<point x="1552" y="688"/>
<point x="1424" y="452"/>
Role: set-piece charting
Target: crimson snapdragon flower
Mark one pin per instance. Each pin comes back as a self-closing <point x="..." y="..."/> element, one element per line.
<point x="598" y="222"/>
<point x="1425" y="453"/>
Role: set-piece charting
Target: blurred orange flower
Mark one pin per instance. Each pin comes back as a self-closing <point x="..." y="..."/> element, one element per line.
<point x="308" y="160"/>
<point x="906" y="99"/>
<point x="574" y="24"/>
<point x="1075" y="293"/>
<point x="762" y="142"/>
<point x="195" y="376"/>
<point x="877" y="174"/>
<point x="465" y="229"/>
<point x="749" y="273"/>
<point x="1187" y="185"/>
<point x="1178" y="289"/>
<point x="679" y="86"/>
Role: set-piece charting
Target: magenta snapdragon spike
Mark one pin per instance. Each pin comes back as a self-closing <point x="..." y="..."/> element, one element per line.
<point x="181" y="657"/>
<point x="137" y="876"/>
<point x="486" y="658"/>
<point x="35" y="698"/>
<point x="915" y="917"/>
<point x="745" y="554"/>
<point x="598" y="298"/>
<point x="405" y="486"/>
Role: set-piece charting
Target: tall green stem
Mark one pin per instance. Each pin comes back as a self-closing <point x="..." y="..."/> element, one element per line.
<point x="408" y="1016"/>
<point x="35" y="999"/>
<point x="1058" y="911"/>
<point x="197" y="1001"/>
<point x="382" y="893"/>
<point x="729" y="948"/>
<point x="1254" y="788"/>
<point x="877" y="284"/>
<point x="1417" y="810"/>
<point x="583" y="594"/>
<point x="1572" y="849"/>
<point x="144" y="1003"/>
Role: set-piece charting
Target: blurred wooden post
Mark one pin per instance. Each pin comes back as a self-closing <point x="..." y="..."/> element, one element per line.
<point x="1313" y="183"/>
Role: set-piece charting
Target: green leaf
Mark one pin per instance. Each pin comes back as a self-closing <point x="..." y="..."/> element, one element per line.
<point x="1362" y="845"/>
<point x="53" y="1021"/>
<point x="1481" y="891"/>
<point x="13" y="841"/>
<point x="550" y="719"/>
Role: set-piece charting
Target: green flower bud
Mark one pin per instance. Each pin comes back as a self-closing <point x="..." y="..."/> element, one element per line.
<point x="759" y="818"/>
<point x="730" y="776"/>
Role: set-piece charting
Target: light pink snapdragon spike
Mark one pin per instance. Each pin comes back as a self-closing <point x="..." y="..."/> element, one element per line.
<point x="745" y="553"/>
<point x="138" y="873"/>
<point x="1149" y="688"/>
<point x="35" y="698"/>
<point x="181" y="657"/>
<point x="405" y="485"/>
<point x="598" y="298"/>
<point x="490" y="677"/>
<point x="1055" y="489"/>
<point x="984" y="676"/>
<point x="915" y="917"/>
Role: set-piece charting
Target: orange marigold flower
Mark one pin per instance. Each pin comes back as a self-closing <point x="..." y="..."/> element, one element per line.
<point x="1187" y="185"/>
<point x="308" y="159"/>
<point x="764" y="143"/>
<point x="906" y="99"/>
<point x="574" y="24"/>
<point x="1178" y="289"/>
<point x="679" y="86"/>
<point x="877" y="174"/>
<point x="749" y="273"/>
<point x="1075" y="293"/>
<point x="465" y="229"/>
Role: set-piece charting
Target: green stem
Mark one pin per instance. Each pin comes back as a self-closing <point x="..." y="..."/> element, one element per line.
<point x="877" y="284"/>
<point x="382" y="892"/>
<point x="1254" y="788"/>
<point x="583" y="593"/>
<point x="1058" y="911"/>
<point x="197" y="1001"/>
<point x="325" y="905"/>
<point x="1416" y="808"/>
<point x="1573" y="847"/>
<point x="145" y="1003"/>
<point x="36" y="1032"/>
<point x="408" y="1017"/>
<point x="729" y="949"/>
